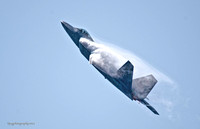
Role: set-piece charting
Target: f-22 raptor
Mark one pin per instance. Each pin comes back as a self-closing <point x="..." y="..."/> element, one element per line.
<point x="105" y="62"/>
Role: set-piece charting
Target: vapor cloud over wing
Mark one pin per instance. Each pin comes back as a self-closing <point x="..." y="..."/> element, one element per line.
<point x="166" y="90"/>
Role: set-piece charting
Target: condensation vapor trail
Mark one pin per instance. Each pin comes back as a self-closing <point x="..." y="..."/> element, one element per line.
<point x="141" y="67"/>
<point x="164" y="96"/>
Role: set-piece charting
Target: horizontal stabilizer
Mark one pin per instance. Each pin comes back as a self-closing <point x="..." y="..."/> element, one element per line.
<point x="142" y="86"/>
<point x="149" y="106"/>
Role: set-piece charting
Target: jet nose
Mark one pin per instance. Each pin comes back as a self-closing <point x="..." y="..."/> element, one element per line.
<point x="67" y="26"/>
<point x="72" y="32"/>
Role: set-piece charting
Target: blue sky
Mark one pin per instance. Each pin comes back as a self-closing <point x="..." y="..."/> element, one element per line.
<point x="45" y="80"/>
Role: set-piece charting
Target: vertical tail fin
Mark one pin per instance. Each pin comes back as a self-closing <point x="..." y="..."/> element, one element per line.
<point x="142" y="86"/>
<point x="126" y="74"/>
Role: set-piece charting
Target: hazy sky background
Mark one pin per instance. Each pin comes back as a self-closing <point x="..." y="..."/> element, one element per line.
<point x="45" y="80"/>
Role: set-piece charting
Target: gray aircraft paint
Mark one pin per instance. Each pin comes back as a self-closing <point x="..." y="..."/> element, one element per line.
<point x="112" y="66"/>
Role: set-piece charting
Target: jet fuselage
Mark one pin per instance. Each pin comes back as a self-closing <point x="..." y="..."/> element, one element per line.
<point x="115" y="68"/>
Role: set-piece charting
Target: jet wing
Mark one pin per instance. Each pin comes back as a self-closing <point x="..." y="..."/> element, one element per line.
<point x="124" y="81"/>
<point x="149" y="106"/>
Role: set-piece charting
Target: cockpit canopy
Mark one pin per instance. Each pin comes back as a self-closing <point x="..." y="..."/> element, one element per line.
<point x="84" y="31"/>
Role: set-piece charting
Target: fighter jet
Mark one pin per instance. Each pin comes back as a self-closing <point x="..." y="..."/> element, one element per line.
<point x="106" y="62"/>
